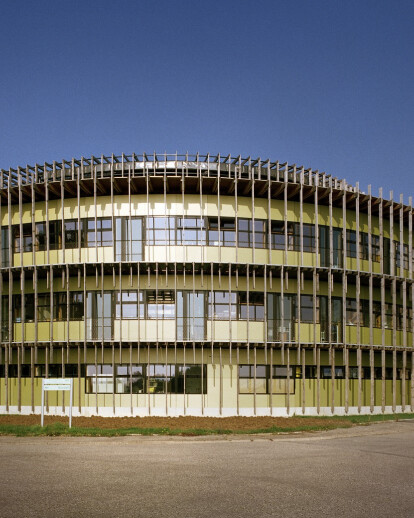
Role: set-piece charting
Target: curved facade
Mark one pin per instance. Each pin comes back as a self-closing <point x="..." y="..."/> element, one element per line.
<point x="203" y="285"/>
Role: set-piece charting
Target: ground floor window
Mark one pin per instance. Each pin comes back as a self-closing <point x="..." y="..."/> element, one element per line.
<point x="268" y="379"/>
<point x="146" y="379"/>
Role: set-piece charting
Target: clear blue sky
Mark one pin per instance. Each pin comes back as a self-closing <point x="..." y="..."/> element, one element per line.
<point x="325" y="84"/>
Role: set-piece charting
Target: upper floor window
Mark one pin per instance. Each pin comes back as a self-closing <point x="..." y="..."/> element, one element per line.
<point x="222" y="305"/>
<point x="191" y="231"/>
<point x="160" y="304"/>
<point x="249" y="234"/>
<point x="225" y="236"/>
<point x="254" y="309"/>
<point x="99" y="233"/>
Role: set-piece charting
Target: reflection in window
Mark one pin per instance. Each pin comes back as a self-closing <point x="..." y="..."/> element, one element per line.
<point x="74" y="229"/>
<point x="191" y="231"/>
<point x="226" y="236"/>
<point x="99" y="233"/>
<point x="99" y="379"/>
<point x="160" y="305"/>
<point x="128" y="239"/>
<point x="278" y="235"/>
<point x="99" y="314"/>
<point x="161" y="231"/>
<point x="129" y="304"/>
<point x="147" y="379"/>
<point x="191" y="321"/>
<point x="222" y="305"/>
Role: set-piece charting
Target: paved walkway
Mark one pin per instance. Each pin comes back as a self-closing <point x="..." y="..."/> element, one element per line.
<point x="361" y="471"/>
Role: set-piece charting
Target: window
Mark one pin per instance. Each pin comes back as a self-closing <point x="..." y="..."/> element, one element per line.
<point x="43" y="307"/>
<point x="263" y="379"/>
<point x="308" y="238"/>
<point x="363" y="246"/>
<point x="388" y="316"/>
<point x="306" y="309"/>
<point x="336" y="318"/>
<point x="339" y="372"/>
<point x="281" y="317"/>
<point x="246" y="235"/>
<point x="227" y="234"/>
<point x="130" y="379"/>
<point x="129" y="304"/>
<point x="39" y="371"/>
<point x="191" y="231"/>
<point x="279" y="383"/>
<point x="5" y="318"/>
<point x="28" y="308"/>
<point x="101" y="235"/>
<point x="26" y="242"/>
<point x="5" y="246"/>
<point x="375" y="248"/>
<point x="277" y="236"/>
<point x="76" y="305"/>
<point x="364" y="312"/>
<point x="254" y="310"/>
<point x="128" y="239"/>
<point x="195" y="377"/>
<point x="59" y="306"/>
<point x="99" y="379"/>
<point x="40" y="237"/>
<point x="160" y="305"/>
<point x="99" y="314"/>
<point x="222" y="305"/>
<point x="252" y="379"/>
<point x="161" y="231"/>
<point x="72" y="231"/>
<point x="351" y="246"/>
<point x="55" y="235"/>
<point x="399" y="317"/>
<point x="376" y="309"/>
<point x="398" y="255"/>
<point x="143" y="379"/>
<point x="351" y="312"/>
<point x="191" y="321"/>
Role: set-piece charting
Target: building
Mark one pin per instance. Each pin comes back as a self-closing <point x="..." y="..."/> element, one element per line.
<point x="203" y="285"/>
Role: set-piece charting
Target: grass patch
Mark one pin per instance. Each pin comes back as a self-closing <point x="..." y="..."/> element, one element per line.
<point x="323" y="423"/>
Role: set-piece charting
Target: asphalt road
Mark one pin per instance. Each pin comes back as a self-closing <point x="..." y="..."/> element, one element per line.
<point x="364" y="471"/>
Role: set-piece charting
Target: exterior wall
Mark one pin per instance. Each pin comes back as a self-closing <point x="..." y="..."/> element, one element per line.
<point x="371" y="361"/>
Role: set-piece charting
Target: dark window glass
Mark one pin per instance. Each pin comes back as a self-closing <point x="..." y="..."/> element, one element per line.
<point x="226" y="235"/>
<point x="306" y="309"/>
<point x="43" y="307"/>
<point x="28" y="308"/>
<point x="40" y="237"/>
<point x="76" y="305"/>
<point x="278" y="235"/>
<point x="351" y="247"/>
<point x="72" y="231"/>
<point x="254" y="309"/>
<point x="246" y="235"/>
<point x="55" y="235"/>
<point x="351" y="312"/>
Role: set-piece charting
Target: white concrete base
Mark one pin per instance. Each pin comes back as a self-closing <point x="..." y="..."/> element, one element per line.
<point x="208" y="412"/>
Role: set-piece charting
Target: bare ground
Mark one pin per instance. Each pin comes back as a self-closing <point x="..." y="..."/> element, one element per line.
<point x="185" y="423"/>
